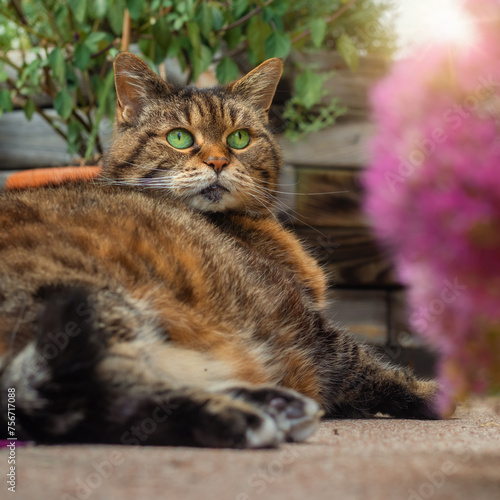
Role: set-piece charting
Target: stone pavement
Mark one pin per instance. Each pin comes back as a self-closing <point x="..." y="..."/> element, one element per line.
<point x="378" y="459"/>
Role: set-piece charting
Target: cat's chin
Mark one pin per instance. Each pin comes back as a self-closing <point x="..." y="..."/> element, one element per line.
<point x="214" y="193"/>
<point x="213" y="198"/>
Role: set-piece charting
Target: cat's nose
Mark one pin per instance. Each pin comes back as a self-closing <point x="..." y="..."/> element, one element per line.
<point x="217" y="163"/>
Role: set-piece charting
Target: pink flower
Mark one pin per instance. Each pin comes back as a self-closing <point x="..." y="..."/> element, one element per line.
<point x="433" y="197"/>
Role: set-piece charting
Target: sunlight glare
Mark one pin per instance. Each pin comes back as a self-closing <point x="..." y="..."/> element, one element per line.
<point x="433" y="21"/>
<point x="449" y="23"/>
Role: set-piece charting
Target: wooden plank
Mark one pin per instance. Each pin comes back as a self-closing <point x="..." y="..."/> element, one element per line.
<point x="362" y="312"/>
<point x="31" y="144"/>
<point x="4" y="174"/>
<point x="343" y="145"/>
<point x="28" y="144"/>
<point x="350" y="256"/>
<point x="329" y="198"/>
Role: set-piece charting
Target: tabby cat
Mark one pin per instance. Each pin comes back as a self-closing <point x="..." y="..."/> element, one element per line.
<point x="163" y="303"/>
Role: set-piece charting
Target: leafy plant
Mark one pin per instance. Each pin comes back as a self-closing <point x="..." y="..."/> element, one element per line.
<point x="300" y="112"/>
<point x="66" y="49"/>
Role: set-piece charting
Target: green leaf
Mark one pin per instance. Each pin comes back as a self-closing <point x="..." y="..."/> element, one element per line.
<point x="60" y="15"/>
<point x="147" y="47"/>
<point x="308" y="89"/>
<point x="94" y="40"/>
<point x="227" y="70"/>
<point x="257" y="33"/>
<point x="100" y="8"/>
<point x="348" y="50"/>
<point x="232" y="37"/>
<point x="175" y="47"/>
<point x="161" y="33"/>
<point x="115" y="16"/>
<point x="63" y="104"/>
<point x="217" y="18"/>
<point x="205" y="19"/>
<point x="29" y="108"/>
<point x="200" y="64"/>
<point x="239" y="7"/>
<point x="267" y="15"/>
<point x="34" y="71"/>
<point x="159" y="53"/>
<point x="181" y="7"/>
<point x="57" y="63"/>
<point x="280" y="7"/>
<point x="278" y="45"/>
<point x="3" y="75"/>
<point x="194" y="37"/>
<point x="82" y="56"/>
<point x="135" y="8"/>
<point x="72" y="82"/>
<point x="318" y="31"/>
<point x="79" y="8"/>
<point x="6" y="101"/>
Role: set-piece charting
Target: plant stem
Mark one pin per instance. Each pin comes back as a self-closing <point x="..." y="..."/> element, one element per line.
<point x="105" y="49"/>
<point x="86" y="126"/>
<point x="19" y="11"/>
<point x="246" y="17"/>
<point x="50" y="121"/>
<point x="126" y="31"/>
<point x="6" y="60"/>
<point x="232" y="53"/>
<point x="164" y="11"/>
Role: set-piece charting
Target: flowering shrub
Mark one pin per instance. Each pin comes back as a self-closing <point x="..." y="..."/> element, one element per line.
<point x="433" y="197"/>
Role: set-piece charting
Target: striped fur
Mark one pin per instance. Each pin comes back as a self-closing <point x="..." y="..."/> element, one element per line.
<point x="135" y="309"/>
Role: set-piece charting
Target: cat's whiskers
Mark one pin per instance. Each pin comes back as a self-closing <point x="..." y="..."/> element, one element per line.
<point x="286" y="208"/>
<point x="301" y="194"/>
<point x="261" y="203"/>
<point x="136" y="182"/>
<point x="143" y="167"/>
<point x="246" y="187"/>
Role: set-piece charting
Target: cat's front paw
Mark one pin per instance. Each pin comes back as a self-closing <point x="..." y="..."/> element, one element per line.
<point x="295" y="416"/>
<point x="246" y="417"/>
<point x="228" y="423"/>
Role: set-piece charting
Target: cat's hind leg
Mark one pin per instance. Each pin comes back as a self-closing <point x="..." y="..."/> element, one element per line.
<point x="233" y="418"/>
<point x="108" y="390"/>
<point x="198" y="410"/>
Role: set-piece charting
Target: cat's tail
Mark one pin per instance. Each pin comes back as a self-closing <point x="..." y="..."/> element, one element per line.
<point x="49" y="386"/>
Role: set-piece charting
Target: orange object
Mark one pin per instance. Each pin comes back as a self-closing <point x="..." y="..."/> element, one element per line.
<point x="45" y="176"/>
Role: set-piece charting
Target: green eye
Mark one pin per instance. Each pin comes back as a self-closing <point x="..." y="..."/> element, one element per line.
<point x="180" y="138"/>
<point x="238" y="139"/>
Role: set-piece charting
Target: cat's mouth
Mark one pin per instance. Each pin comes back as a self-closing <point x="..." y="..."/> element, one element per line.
<point x="214" y="192"/>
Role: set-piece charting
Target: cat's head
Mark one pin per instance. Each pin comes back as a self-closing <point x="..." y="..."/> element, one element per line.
<point x="211" y="148"/>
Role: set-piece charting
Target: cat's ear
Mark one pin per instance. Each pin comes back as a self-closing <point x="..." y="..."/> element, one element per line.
<point x="259" y="86"/>
<point x="135" y="84"/>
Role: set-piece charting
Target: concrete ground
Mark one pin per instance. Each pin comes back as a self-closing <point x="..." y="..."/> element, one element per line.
<point x="345" y="459"/>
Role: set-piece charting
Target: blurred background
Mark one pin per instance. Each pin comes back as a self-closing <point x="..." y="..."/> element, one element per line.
<point x="57" y="105"/>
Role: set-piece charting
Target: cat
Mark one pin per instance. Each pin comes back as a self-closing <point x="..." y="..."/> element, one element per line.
<point x="164" y="303"/>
